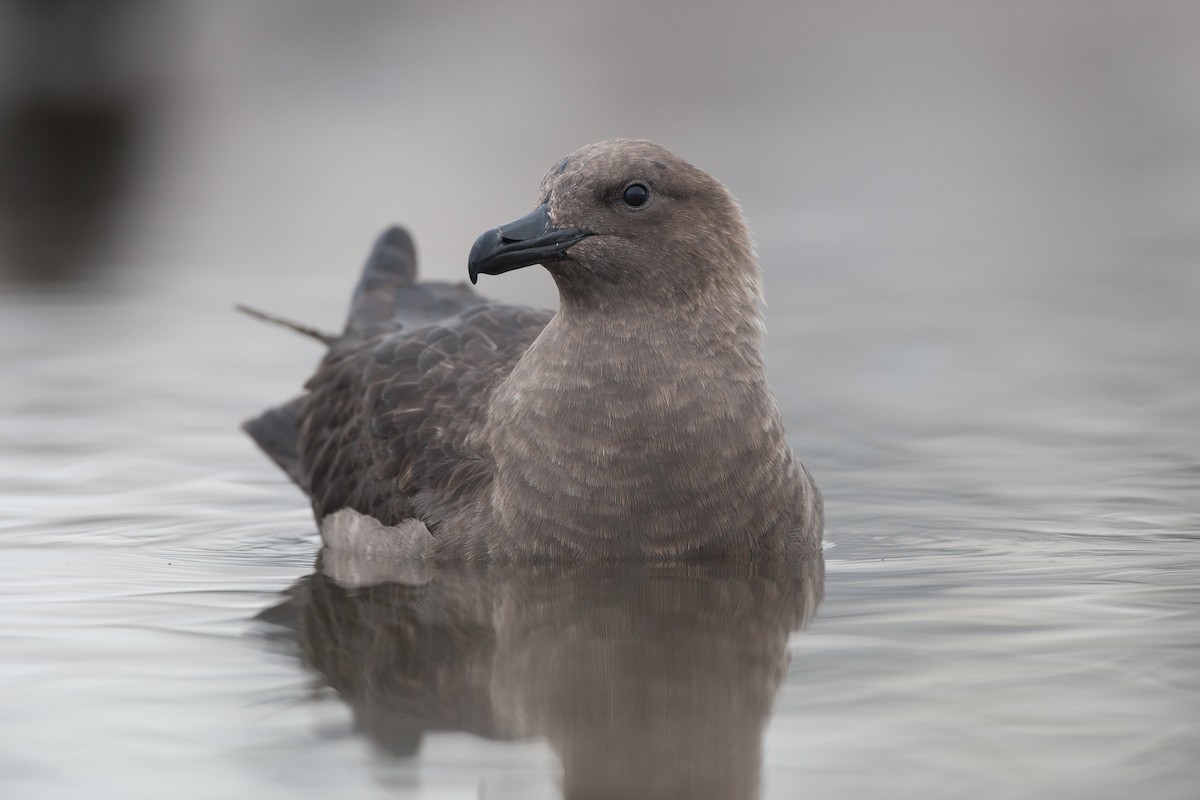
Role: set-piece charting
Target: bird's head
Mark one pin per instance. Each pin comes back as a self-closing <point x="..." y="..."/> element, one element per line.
<point x="626" y="221"/>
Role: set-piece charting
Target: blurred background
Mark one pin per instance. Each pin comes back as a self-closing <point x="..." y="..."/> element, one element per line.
<point x="979" y="225"/>
<point x="274" y="139"/>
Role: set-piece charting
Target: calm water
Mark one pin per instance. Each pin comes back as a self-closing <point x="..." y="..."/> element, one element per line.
<point x="980" y="247"/>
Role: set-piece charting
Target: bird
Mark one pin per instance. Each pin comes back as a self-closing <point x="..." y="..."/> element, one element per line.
<point x="635" y="423"/>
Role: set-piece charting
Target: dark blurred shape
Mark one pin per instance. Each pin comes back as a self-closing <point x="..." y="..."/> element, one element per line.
<point x="646" y="681"/>
<point x="63" y="168"/>
<point x="71" y="118"/>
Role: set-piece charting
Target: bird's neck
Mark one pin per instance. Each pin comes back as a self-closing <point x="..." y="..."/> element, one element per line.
<point x="650" y="362"/>
<point x="728" y="326"/>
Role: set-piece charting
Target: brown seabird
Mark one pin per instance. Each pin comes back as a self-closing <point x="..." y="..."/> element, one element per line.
<point x="635" y="423"/>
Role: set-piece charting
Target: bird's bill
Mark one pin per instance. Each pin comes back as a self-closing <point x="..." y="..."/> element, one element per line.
<point x="532" y="239"/>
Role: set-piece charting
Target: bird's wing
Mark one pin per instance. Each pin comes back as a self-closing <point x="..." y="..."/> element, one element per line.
<point x="385" y="424"/>
<point x="386" y="427"/>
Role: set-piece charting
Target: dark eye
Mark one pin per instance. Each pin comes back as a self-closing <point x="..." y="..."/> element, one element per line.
<point x="636" y="194"/>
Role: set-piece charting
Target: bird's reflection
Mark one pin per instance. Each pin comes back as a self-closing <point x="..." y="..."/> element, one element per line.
<point x="646" y="681"/>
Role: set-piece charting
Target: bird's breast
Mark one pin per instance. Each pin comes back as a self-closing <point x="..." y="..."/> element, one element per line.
<point x="634" y="458"/>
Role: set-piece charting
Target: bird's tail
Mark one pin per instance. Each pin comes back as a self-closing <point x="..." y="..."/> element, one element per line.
<point x="276" y="431"/>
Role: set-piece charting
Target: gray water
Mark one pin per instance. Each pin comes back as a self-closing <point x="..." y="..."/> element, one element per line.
<point x="978" y="229"/>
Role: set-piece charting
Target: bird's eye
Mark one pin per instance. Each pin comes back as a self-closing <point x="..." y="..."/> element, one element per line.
<point x="635" y="195"/>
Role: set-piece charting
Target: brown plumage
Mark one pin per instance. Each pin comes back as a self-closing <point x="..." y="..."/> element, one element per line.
<point x="635" y="423"/>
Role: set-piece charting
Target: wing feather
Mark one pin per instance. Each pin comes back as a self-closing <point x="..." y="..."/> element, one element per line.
<point x="386" y="425"/>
